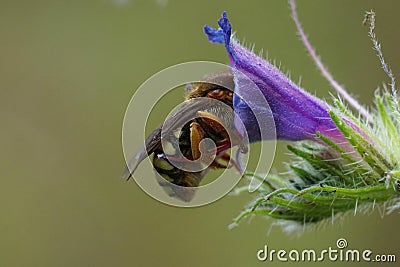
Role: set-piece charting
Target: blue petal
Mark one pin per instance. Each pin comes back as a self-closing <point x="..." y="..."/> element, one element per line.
<point x="221" y="35"/>
<point x="297" y="114"/>
<point x="226" y="27"/>
<point x="214" y="35"/>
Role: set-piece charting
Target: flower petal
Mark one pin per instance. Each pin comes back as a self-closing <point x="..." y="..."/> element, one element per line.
<point x="298" y="115"/>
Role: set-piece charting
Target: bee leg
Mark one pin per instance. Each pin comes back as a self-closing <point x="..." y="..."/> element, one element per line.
<point x="218" y="125"/>
<point x="196" y="135"/>
<point x="227" y="159"/>
<point x="210" y="119"/>
<point x="217" y="165"/>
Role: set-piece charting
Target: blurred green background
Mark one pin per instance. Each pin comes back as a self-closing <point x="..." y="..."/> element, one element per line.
<point x="68" y="71"/>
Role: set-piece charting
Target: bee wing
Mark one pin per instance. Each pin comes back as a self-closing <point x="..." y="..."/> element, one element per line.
<point x="181" y="116"/>
<point x="185" y="113"/>
<point x="150" y="145"/>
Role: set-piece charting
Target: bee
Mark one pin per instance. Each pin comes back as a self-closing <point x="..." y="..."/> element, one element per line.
<point x="209" y="121"/>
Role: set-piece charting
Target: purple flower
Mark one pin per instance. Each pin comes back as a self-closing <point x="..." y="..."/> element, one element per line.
<point x="298" y="115"/>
